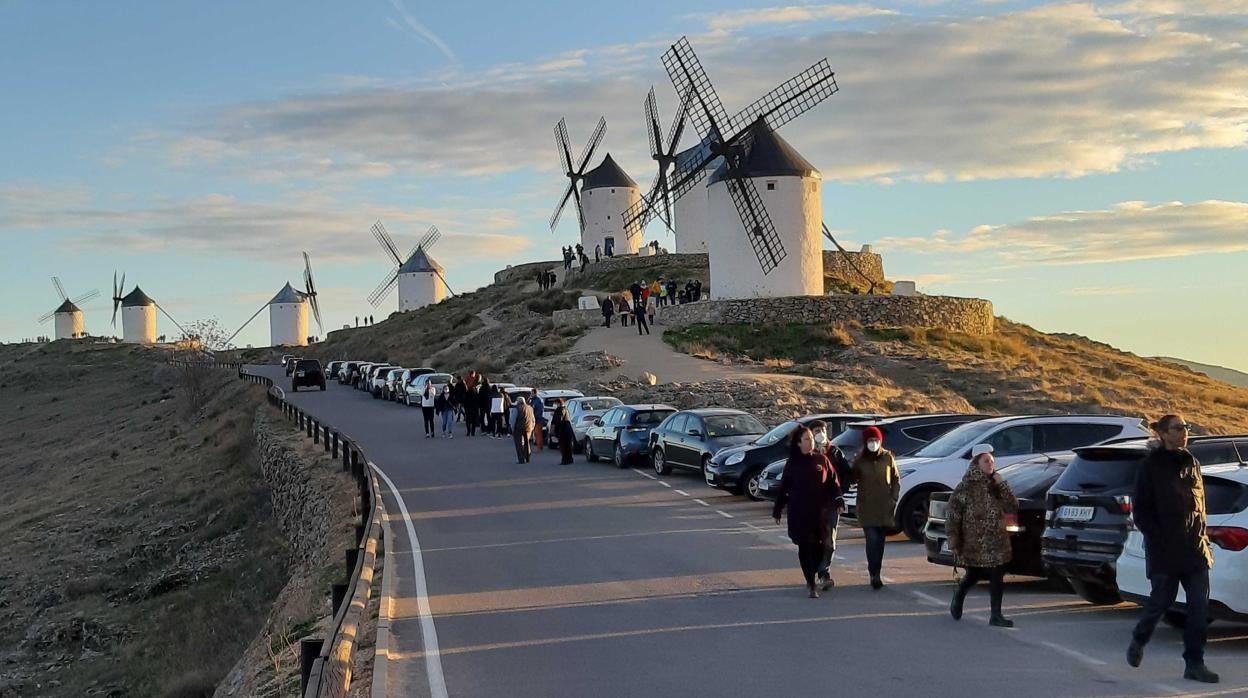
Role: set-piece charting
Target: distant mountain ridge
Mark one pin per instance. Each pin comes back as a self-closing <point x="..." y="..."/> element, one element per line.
<point x="1220" y="373"/>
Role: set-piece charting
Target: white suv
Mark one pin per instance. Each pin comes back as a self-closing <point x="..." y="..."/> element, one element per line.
<point x="940" y="465"/>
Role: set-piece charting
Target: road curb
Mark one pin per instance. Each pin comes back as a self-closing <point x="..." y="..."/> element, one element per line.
<point x="381" y="653"/>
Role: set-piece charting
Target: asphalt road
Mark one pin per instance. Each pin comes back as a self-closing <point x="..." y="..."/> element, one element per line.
<point x="552" y="580"/>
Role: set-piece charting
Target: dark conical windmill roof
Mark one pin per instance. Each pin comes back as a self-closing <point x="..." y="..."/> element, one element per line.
<point x="420" y="261"/>
<point x="67" y="307"/>
<point x="136" y="298"/>
<point x="288" y="294"/>
<point x="608" y="174"/>
<point x="770" y="156"/>
<point x="689" y="157"/>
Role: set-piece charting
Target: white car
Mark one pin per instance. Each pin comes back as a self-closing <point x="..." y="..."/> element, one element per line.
<point x="390" y="387"/>
<point x="940" y="465"/>
<point x="582" y="411"/>
<point x="1226" y="511"/>
<point x="377" y="380"/>
<point x="405" y="379"/>
<point x="414" y="390"/>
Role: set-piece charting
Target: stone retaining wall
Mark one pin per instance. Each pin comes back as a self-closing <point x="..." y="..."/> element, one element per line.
<point x="302" y="509"/>
<point x="841" y="266"/>
<point x="967" y="315"/>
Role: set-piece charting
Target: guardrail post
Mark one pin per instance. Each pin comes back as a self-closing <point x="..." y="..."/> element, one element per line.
<point x="346" y="456"/>
<point x="335" y="445"/>
<point x="309" y="651"/>
<point x="326" y="439"/>
<point x="316" y="434"/>
<point x="337" y="592"/>
<point x="308" y="422"/>
<point x="355" y="463"/>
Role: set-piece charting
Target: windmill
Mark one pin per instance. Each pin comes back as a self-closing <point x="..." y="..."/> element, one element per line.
<point x="663" y="152"/>
<point x="735" y="140"/>
<point x="288" y="312"/>
<point x="421" y="280"/>
<point x="68" y="315"/>
<point x="603" y="192"/>
<point x="138" y="314"/>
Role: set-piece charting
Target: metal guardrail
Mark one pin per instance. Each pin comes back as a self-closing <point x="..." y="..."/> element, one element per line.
<point x="325" y="663"/>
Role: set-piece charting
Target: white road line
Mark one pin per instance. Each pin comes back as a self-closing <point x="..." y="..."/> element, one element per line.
<point x="747" y="524"/>
<point x="429" y="633"/>
<point x="665" y="484"/>
<point x="928" y="598"/>
<point x="681" y="492"/>
<point x="1072" y="653"/>
<point x="701" y="501"/>
<point x="724" y="514"/>
<point x="644" y="474"/>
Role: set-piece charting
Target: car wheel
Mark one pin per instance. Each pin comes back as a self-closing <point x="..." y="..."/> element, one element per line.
<point x="1095" y="593"/>
<point x="706" y="461"/>
<point x="621" y="458"/>
<point x="912" y="514"/>
<point x="294" y="387"/>
<point x="589" y="452"/>
<point x="660" y="465"/>
<point x="752" y="480"/>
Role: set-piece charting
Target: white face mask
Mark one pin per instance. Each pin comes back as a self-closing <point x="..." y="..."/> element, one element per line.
<point x="873" y="445"/>
<point x="820" y="438"/>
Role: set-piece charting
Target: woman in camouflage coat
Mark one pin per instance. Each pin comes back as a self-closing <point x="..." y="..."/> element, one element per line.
<point x="975" y="524"/>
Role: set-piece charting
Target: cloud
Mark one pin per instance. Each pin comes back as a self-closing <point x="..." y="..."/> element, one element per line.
<point x="409" y="23"/>
<point x="225" y="226"/>
<point x="1130" y="231"/>
<point x="1064" y="90"/>
<point x="792" y="14"/>
<point x="1105" y="291"/>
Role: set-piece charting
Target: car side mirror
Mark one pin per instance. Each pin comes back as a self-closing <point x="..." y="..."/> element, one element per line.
<point x="695" y="432"/>
<point x="597" y="422"/>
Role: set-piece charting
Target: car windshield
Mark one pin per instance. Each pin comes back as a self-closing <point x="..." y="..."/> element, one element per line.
<point x="649" y="418"/>
<point x="599" y="404"/>
<point x="732" y="425"/>
<point x="1031" y="478"/>
<point x="777" y="434"/>
<point x="308" y="365"/>
<point x="955" y="441"/>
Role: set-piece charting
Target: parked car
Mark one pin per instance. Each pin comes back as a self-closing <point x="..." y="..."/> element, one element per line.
<point x="286" y="360"/>
<point x="377" y="381"/>
<point x="1226" y="511"/>
<point x="583" y="412"/>
<point x="1029" y="479"/>
<point x="347" y="373"/>
<point x="414" y="390"/>
<point x="1089" y="507"/>
<point x="406" y="378"/>
<point x="938" y="466"/>
<point x="307" y="372"/>
<point x="332" y="368"/>
<point x="549" y="397"/>
<point x="390" y="386"/>
<point x="360" y="376"/>
<point x="622" y="433"/>
<point x="739" y="469"/>
<point x="290" y="364"/>
<point x="370" y="385"/>
<point x="688" y="439"/>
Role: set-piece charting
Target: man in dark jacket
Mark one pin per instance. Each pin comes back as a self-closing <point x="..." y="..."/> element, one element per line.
<point x="1169" y="509"/>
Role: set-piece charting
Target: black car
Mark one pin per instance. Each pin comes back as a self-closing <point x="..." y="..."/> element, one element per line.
<point x="307" y="372"/>
<point x="903" y="435"/>
<point x="738" y="469"/>
<point x="688" y="439"/>
<point x="1089" y="506"/>
<point x="623" y="433"/>
<point x="1030" y="480"/>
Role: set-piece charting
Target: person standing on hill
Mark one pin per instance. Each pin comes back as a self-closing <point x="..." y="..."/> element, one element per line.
<point x="624" y="310"/>
<point x="597" y="253"/>
<point x="975" y="525"/>
<point x="1169" y="509"/>
<point x="809" y="488"/>
<point x="428" y="399"/>
<point x="446" y="411"/>
<point x="879" y="485"/>
<point x="608" y="309"/>
<point x="639" y="316"/>
<point x="522" y="430"/>
<point x="635" y="290"/>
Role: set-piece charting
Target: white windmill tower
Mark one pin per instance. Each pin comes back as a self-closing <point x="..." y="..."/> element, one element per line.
<point x="419" y="277"/>
<point x="604" y="192"/>
<point x="68" y="316"/>
<point x="288" y="312"/>
<point x="761" y="173"/>
<point x="138" y="314"/>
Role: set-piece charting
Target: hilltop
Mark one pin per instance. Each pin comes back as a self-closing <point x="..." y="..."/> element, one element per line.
<point x="1220" y="373"/>
<point x="505" y="329"/>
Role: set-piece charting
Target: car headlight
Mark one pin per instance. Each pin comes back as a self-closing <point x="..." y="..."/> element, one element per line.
<point x="907" y="471"/>
<point x="735" y="458"/>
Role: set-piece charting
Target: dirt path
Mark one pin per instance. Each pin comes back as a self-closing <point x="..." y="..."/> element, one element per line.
<point x="487" y="323"/>
<point x="651" y="353"/>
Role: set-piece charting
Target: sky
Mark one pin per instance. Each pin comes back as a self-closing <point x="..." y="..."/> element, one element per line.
<point x="1078" y="164"/>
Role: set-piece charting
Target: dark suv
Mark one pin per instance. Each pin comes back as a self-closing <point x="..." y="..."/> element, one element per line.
<point x="623" y="433"/>
<point x="739" y="468"/>
<point x="903" y="435"/>
<point x="1089" y="506"/>
<point x="689" y="438"/>
<point x="307" y="372"/>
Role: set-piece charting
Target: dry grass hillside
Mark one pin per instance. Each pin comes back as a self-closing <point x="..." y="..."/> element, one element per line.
<point x="137" y="555"/>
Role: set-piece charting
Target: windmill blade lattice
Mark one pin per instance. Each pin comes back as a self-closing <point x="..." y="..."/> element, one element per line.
<point x="309" y="285"/>
<point x="384" y="288"/>
<point x="387" y="243"/>
<point x="577" y="173"/>
<point x="60" y="290"/>
<point x="117" y="291"/>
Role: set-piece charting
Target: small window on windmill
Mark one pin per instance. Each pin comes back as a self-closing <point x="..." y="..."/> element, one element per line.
<point x="771" y="186"/>
<point x="612" y="191"/>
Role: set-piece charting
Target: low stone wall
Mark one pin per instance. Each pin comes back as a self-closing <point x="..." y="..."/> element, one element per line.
<point x="967" y="315"/>
<point x="842" y="266"/>
<point x="302" y="509"/>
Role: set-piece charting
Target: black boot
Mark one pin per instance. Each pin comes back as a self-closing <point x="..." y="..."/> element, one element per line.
<point x="955" y="606"/>
<point x="876" y="582"/>
<point x="999" y="621"/>
<point x="1135" y="653"/>
<point x="1200" y="672"/>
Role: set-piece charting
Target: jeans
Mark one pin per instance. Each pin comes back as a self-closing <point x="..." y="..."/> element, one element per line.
<point x="875" y="549"/>
<point x="427" y="412"/>
<point x="808" y="556"/>
<point x="829" y="545"/>
<point x="448" y="421"/>
<point x="996" y="584"/>
<point x="1165" y="591"/>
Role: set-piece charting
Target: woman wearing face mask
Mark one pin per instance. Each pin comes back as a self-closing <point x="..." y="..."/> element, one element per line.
<point x="841" y="469"/>
<point x="879" y="484"/>
<point x="446" y="409"/>
<point x="809" y="488"/>
<point x="975" y="524"/>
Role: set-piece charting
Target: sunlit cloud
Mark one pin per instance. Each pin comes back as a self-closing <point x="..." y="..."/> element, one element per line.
<point x="791" y="14"/>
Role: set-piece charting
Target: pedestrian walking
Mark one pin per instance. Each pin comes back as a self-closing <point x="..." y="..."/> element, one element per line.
<point x="446" y="411"/>
<point x="652" y="303"/>
<point x="497" y="398"/>
<point x="539" y="416"/>
<point x="584" y="261"/>
<point x="608" y="309"/>
<point x="522" y="430"/>
<point x="841" y="467"/>
<point x="428" y="400"/>
<point x="459" y="395"/>
<point x="1169" y="509"/>
<point x="879" y="484"/>
<point x="472" y="402"/>
<point x="975" y="525"/>
<point x="624" y="311"/>
<point x="808" y="489"/>
<point x="597" y="253"/>
<point x="565" y="435"/>
<point x="639" y="316"/>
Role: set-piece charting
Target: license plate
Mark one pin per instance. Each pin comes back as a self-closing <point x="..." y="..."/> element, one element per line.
<point x="710" y="479"/>
<point x="944" y="547"/>
<point x="1069" y="513"/>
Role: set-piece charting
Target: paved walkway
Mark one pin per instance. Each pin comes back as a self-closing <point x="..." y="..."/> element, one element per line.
<point x="651" y="353"/>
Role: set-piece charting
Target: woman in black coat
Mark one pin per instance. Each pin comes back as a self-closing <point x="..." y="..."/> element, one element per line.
<point x="472" y="402"/>
<point x="563" y="430"/>
<point x="809" y="489"/>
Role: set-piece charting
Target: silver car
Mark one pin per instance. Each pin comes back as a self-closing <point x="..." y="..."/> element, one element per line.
<point x="582" y="411"/>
